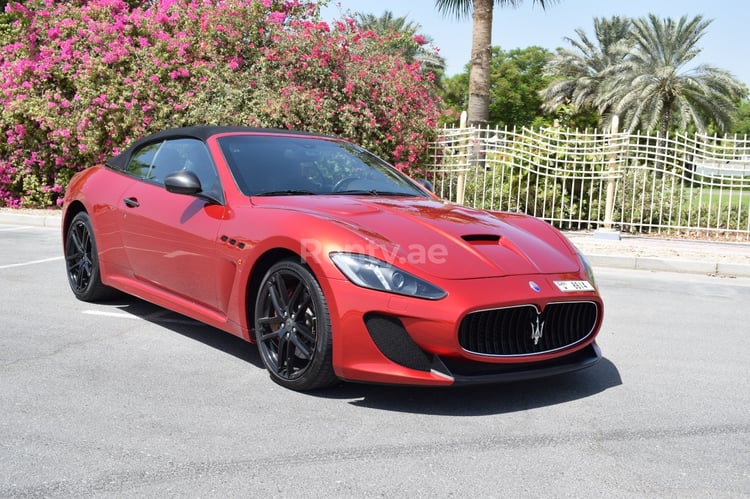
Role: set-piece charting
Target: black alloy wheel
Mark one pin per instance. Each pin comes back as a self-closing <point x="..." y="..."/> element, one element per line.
<point x="292" y="328"/>
<point x="82" y="260"/>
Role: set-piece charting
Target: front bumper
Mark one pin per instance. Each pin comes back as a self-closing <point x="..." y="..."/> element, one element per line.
<point x="383" y="338"/>
<point x="578" y="360"/>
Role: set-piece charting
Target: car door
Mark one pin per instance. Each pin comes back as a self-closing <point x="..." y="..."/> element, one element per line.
<point x="171" y="239"/>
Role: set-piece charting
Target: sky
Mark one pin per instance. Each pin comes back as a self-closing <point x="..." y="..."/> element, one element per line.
<point x="724" y="44"/>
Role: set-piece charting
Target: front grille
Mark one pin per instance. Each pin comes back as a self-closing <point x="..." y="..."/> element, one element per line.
<point x="523" y="330"/>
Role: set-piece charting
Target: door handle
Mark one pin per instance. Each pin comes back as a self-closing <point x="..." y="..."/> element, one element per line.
<point x="131" y="202"/>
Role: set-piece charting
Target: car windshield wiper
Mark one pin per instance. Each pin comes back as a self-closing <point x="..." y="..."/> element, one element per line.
<point x="375" y="192"/>
<point x="287" y="192"/>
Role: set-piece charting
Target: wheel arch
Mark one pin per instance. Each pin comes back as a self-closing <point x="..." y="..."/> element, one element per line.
<point x="94" y="290"/>
<point x="262" y="264"/>
<point x="298" y="313"/>
<point x="73" y="209"/>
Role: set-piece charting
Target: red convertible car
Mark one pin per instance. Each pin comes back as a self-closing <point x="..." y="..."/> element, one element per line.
<point x="337" y="265"/>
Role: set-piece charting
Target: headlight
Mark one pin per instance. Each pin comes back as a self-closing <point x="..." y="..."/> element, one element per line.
<point x="586" y="268"/>
<point x="369" y="272"/>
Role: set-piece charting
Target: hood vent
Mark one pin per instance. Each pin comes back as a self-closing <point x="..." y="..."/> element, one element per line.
<point x="481" y="238"/>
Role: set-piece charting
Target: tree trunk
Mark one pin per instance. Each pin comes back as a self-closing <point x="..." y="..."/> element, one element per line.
<point x="481" y="54"/>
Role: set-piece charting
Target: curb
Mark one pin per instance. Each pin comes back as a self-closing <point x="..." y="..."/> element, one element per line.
<point x="54" y="220"/>
<point x="669" y="265"/>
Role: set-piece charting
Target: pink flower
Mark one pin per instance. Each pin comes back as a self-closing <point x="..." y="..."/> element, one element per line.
<point x="276" y="18"/>
<point x="126" y="72"/>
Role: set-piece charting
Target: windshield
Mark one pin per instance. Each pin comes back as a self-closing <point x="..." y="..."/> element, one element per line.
<point x="275" y="165"/>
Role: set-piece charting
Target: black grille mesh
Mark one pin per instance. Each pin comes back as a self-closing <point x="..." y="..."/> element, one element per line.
<point x="509" y="331"/>
<point x="391" y="337"/>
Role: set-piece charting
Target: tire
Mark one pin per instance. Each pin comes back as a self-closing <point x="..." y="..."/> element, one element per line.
<point x="293" y="328"/>
<point x="82" y="261"/>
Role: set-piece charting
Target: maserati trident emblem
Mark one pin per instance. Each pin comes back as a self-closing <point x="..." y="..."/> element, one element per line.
<point x="534" y="286"/>
<point x="537" y="329"/>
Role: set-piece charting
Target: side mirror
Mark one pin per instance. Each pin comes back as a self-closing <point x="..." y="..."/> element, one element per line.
<point x="183" y="182"/>
<point x="426" y="184"/>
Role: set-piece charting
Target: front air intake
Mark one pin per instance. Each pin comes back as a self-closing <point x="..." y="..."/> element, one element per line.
<point x="391" y="338"/>
<point x="523" y="330"/>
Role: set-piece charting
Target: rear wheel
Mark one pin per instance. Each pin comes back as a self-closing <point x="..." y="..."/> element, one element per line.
<point x="82" y="261"/>
<point x="293" y="328"/>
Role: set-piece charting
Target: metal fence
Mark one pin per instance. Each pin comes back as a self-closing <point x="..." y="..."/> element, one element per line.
<point x="578" y="180"/>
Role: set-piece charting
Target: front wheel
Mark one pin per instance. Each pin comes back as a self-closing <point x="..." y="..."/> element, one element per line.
<point x="293" y="328"/>
<point x="82" y="261"/>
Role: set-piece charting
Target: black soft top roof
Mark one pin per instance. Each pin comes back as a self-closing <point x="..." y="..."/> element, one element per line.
<point x="202" y="133"/>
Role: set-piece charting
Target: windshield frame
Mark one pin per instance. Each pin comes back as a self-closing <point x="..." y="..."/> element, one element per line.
<point x="297" y="165"/>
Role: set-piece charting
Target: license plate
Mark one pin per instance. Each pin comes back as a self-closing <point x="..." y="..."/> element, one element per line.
<point x="572" y="286"/>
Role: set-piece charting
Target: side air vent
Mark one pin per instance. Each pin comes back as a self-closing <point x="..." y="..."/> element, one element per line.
<point x="394" y="341"/>
<point x="481" y="238"/>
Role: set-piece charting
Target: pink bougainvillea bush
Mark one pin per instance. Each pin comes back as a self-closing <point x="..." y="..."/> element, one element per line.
<point x="82" y="79"/>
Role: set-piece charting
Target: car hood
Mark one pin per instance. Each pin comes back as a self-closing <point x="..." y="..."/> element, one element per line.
<point x="439" y="238"/>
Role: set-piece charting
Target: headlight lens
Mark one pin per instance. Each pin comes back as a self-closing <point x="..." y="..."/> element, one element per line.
<point x="369" y="272"/>
<point x="586" y="268"/>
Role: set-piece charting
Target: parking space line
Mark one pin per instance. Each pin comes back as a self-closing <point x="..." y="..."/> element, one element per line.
<point x="32" y="262"/>
<point x="119" y="315"/>
<point x="161" y="316"/>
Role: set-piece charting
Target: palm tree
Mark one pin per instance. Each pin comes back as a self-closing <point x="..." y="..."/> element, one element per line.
<point x="581" y="71"/>
<point x="651" y="89"/>
<point x="385" y="23"/>
<point x="410" y="42"/>
<point x="481" y="49"/>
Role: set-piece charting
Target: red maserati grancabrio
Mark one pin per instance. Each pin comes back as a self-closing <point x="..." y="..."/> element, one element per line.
<point x="337" y="265"/>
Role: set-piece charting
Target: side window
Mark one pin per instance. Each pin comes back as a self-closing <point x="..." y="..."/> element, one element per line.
<point x="140" y="162"/>
<point x="168" y="159"/>
<point x="197" y="159"/>
<point x="154" y="162"/>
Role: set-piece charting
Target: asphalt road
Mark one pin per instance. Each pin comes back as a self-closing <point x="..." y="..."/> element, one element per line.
<point x="128" y="400"/>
